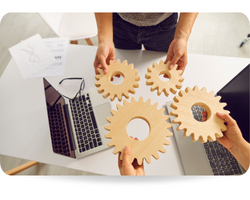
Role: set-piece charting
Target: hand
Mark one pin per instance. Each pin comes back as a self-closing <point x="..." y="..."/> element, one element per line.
<point x="177" y="54"/>
<point x="126" y="168"/>
<point x="233" y="136"/>
<point x="104" y="54"/>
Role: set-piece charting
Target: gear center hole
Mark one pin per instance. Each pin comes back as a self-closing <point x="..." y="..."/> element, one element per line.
<point x="200" y="112"/>
<point x="138" y="128"/>
<point x="117" y="78"/>
<point x="164" y="76"/>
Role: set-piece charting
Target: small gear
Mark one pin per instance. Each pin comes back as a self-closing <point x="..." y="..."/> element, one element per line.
<point x="210" y="129"/>
<point x="127" y="86"/>
<point x="157" y="126"/>
<point x="171" y="85"/>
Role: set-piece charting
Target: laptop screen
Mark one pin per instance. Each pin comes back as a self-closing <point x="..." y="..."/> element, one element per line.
<point x="236" y="95"/>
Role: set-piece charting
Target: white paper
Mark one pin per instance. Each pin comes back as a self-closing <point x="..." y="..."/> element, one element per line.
<point x="58" y="47"/>
<point x="31" y="55"/>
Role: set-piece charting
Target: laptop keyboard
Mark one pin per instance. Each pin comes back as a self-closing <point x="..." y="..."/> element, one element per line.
<point x="87" y="133"/>
<point x="58" y="130"/>
<point x="221" y="160"/>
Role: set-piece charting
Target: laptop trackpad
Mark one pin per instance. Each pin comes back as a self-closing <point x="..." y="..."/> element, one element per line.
<point x="102" y="112"/>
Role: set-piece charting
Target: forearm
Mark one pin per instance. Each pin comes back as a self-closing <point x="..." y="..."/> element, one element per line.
<point x="104" y="26"/>
<point x="185" y="25"/>
<point x="242" y="154"/>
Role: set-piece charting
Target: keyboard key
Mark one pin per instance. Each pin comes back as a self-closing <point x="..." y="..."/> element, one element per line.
<point x="95" y="143"/>
<point x="93" y="119"/>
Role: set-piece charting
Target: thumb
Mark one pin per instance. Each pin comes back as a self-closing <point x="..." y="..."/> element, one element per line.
<point x="174" y="60"/>
<point x="104" y="65"/>
<point x="227" y="118"/>
<point x="126" y="154"/>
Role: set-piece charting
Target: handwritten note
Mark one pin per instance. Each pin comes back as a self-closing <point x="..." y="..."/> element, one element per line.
<point x="31" y="56"/>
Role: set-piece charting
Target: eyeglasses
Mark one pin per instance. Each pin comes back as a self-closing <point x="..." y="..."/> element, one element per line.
<point x="82" y="86"/>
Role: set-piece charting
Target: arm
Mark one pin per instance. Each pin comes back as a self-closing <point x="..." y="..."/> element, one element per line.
<point x="177" y="53"/>
<point x="232" y="140"/>
<point x="105" y="51"/>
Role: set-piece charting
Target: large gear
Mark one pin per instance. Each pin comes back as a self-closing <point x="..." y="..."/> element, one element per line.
<point x="127" y="86"/>
<point x="210" y="129"/>
<point x="157" y="126"/>
<point x="171" y="85"/>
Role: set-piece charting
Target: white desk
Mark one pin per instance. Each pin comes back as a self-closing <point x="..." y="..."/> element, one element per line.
<point x="24" y="130"/>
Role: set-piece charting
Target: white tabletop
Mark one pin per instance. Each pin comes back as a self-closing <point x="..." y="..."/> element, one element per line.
<point x="24" y="129"/>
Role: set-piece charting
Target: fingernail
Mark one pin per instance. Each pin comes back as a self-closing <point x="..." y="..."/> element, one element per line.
<point x="105" y="70"/>
<point x="171" y="66"/>
<point x="126" y="148"/>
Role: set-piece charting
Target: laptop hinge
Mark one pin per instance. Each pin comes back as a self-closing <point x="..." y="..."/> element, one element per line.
<point x="69" y="127"/>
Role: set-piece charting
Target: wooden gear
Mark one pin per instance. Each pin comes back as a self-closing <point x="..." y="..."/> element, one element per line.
<point x="212" y="127"/>
<point x="127" y="86"/>
<point x="143" y="148"/>
<point x="171" y="85"/>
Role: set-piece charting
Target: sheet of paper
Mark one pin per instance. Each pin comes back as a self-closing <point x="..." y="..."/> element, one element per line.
<point x="58" y="47"/>
<point x="31" y="55"/>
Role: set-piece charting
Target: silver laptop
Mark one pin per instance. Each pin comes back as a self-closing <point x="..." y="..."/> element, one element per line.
<point x="77" y="126"/>
<point x="211" y="158"/>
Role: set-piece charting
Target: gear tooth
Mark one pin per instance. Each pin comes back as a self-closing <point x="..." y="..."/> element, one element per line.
<point x="97" y="83"/>
<point x="136" y="85"/>
<point x="126" y="95"/>
<point x="156" y="155"/>
<point x="181" y="79"/>
<point x="97" y="77"/>
<point x="166" y="92"/>
<point x="178" y="86"/>
<point x="154" y="87"/>
<point x="186" y="133"/>
<point x="166" y="142"/>
<point x="196" y="88"/>
<point x="118" y="106"/>
<point x="174" y="113"/>
<point x="141" y="99"/>
<point x="204" y="89"/>
<point x="113" y="112"/>
<point x="211" y="93"/>
<point x="147" y="76"/>
<point x="139" y="161"/>
<point x="148" y="159"/>
<point x="194" y="137"/>
<point x="180" y="127"/>
<point x="131" y="66"/>
<point x="173" y="90"/>
<point x="219" y="135"/>
<point x="133" y="100"/>
<point x="179" y="72"/>
<point x="162" y="149"/>
<point x="154" y="64"/>
<point x="111" y="143"/>
<point x="100" y="90"/>
<point x="132" y="91"/>
<point x="188" y="89"/>
<point x="100" y="71"/>
<point x="137" y="78"/>
<point x="155" y="105"/>
<point x="203" y="139"/>
<point x="161" y="110"/>
<point x="161" y="62"/>
<point x="109" y="119"/>
<point x="118" y="61"/>
<point x="125" y="62"/>
<point x="149" y="69"/>
<point x="112" y="97"/>
<point x="169" y="134"/>
<point x="176" y="99"/>
<point x="119" y="96"/>
<point x="218" y="98"/>
<point x="166" y="117"/>
<point x="108" y="135"/>
<point x="105" y="94"/>
<point x="148" y="101"/>
<point x="181" y="93"/>
<point x="211" y="138"/>
<point x="149" y="82"/>
<point x="174" y="105"/>
<point x="125" y="102"/>
<point x="223" y="105"/>
<point x="116" y="150"/>
<point x="108" y="127"/>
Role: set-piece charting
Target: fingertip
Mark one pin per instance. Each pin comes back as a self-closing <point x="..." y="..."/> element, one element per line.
<point x="136" y="138"/>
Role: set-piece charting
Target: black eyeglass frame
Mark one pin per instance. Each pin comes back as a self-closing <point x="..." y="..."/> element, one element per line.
<point x="82" y="86"/>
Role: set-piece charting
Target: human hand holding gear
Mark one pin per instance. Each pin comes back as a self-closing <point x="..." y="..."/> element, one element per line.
<point x="143" y="148"/>
<point x="213" y="126"/>
<point x="171" y="85"/>
<point x="127" y="86"/>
